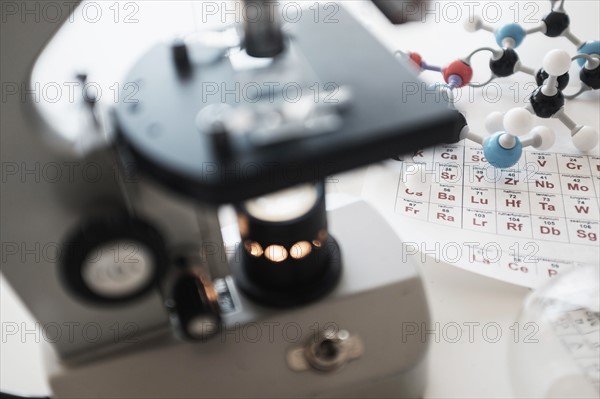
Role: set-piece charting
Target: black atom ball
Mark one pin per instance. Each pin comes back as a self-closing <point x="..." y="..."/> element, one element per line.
<point x="505" y="65"/>
<point x="556" y="23"/>
<point x="542" y="75"/>
<point x="591" y="77"/>
<point x="546" y="106"/>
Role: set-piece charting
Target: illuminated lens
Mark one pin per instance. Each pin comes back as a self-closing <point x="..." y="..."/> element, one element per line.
<point x="300" y="250"/>
<point x="276" y="253"/>
<point x="253" y="248"/>
<point x="283" y="205"/>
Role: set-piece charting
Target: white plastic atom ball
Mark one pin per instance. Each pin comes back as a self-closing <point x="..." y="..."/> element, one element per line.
<point x="493" y="122"/>
<point x="557" y="62"/>
<point x="517" y="122"/>
<point x="473" y="23"/>
<point x="585" y="139"/>
<point x="546" y="136"/>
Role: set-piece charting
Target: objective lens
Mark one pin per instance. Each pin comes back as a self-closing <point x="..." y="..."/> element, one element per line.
<point x="288" y="257"/>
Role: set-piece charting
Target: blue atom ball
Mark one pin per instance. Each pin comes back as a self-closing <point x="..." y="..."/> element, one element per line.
<point x="514" y="31"/>
<point x="591" y="47"/>
<point x="499" y="156"/>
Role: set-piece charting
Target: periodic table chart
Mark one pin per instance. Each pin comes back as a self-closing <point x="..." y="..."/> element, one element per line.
<point x="523" y="225"/>
<point x="546" y="196"/>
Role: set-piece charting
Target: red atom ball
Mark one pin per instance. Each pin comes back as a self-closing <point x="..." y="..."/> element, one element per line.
<point x="416" y="58"/>
<point x="459" y="68"/>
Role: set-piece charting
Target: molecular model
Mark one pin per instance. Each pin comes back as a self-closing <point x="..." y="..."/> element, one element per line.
<point x="505" y="61"/>
<point x="513" y="131"/>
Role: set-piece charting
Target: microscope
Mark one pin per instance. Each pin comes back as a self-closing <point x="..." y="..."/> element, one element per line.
<point x="142" y="296"/>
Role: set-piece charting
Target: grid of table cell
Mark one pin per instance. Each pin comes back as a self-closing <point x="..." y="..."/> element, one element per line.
<point x="446" y="215"/>
<point x="577" y="185"/>
<point x="479" y="198"/>
<point x="542" y="162"/>
<point x="512" y="201"/>
<point x="453" y="154"/>
<point x="517" y="225"/>
<point x="583" y="231"/>
<point x="595" y="166"/>
<point x="475" y="219"/>
<point x="581" y="207"/>
<point x="543" y="182"/>
<point x="544" y="204"/>
<point x="551" y="197"/>
<point x="480" y="176"/>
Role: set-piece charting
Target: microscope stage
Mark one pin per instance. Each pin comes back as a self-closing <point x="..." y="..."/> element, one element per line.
<point x="390" y="112"/>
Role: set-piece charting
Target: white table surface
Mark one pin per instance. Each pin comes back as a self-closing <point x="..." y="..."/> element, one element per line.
<point x="477" y="369"/>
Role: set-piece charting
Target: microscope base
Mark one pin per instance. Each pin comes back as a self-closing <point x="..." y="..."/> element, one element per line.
<point x="379" y="299"/>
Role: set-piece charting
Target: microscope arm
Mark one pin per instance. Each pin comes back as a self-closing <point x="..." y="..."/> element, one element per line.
<point x="26" y="32"/>
<point x="34" y="32"/>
